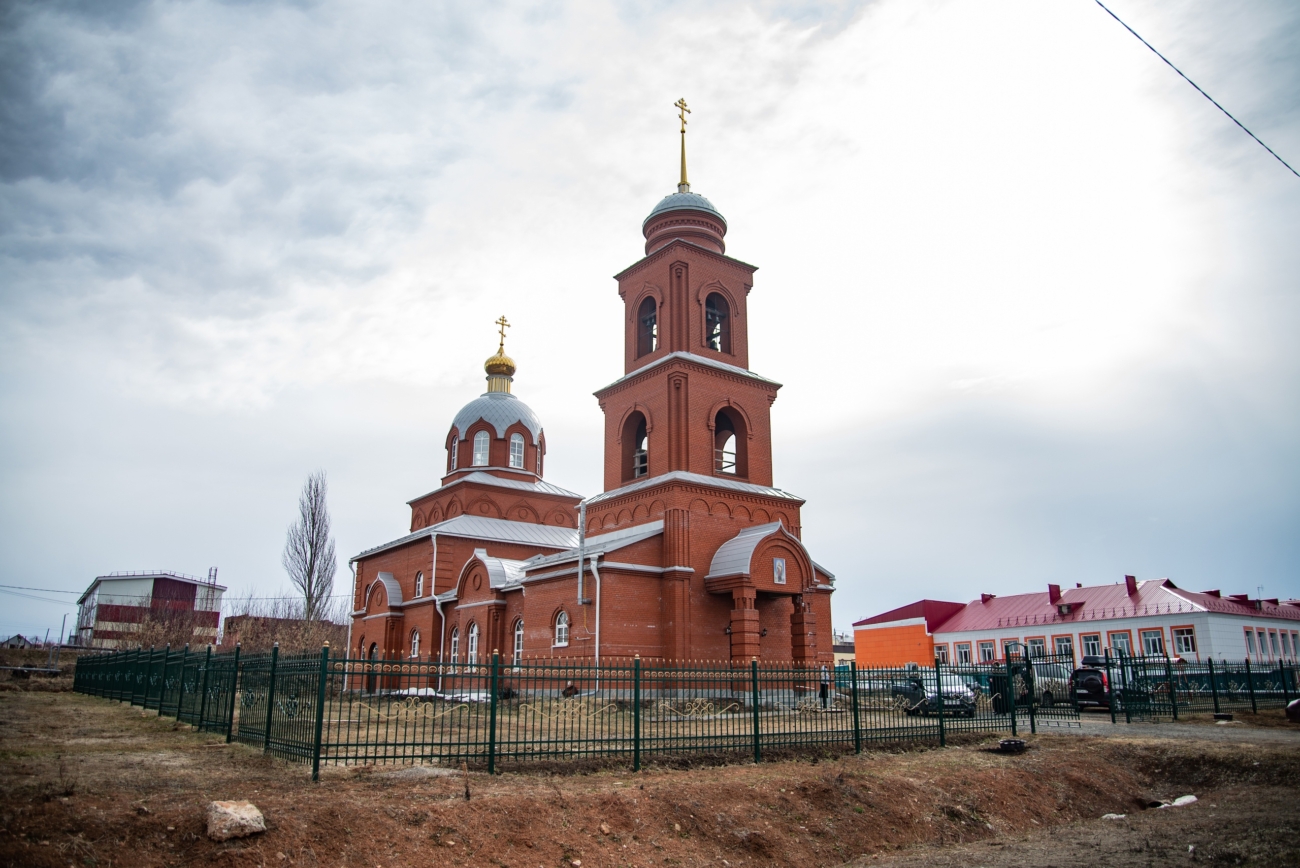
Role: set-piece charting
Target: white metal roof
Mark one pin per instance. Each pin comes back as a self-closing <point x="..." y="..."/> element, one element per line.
<point x="697" y="479"/>
<point x="699" y="360"/>
<point x="735" y="554"/>
<point x="500" y="410"/>
<point x="495" y="529"/>
<point x="601" y="543"/>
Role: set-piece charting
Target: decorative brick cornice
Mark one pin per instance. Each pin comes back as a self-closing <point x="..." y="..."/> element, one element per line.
<point x="671" y="246"/>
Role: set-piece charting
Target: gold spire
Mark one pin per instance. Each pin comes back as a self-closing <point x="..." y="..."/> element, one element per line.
<point x="500" y="367"/>
<point x="683" y="186"/>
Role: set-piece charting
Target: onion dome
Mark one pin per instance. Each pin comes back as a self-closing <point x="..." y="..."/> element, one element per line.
<point x="497" y="406"/>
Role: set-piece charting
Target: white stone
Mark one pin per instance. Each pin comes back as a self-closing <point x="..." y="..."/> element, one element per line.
<point x="1113" y="816"/>
<point x="1184" y="800"/>
<point x="228" y="820"/>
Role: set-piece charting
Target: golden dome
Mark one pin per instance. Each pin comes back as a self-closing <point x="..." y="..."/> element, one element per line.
<point x="500" y="365"/>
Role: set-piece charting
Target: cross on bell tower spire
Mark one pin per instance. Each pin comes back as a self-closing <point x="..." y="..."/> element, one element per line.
<point x="683" y="186"/>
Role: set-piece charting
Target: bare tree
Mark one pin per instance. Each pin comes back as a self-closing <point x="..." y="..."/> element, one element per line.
<point x="309" y="550"/>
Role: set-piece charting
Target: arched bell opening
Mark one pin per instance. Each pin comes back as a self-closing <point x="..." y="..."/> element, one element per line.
<point x="730" y="442"/>
<point x="636" y="446"/>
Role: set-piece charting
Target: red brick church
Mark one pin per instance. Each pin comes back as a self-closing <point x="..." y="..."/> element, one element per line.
<point x="689" y="553"/>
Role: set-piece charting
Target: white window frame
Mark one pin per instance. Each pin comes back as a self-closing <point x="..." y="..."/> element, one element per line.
<point x="941" y="652"/>
<point x="1094" y="640"/>
<point x="991" y="646"/>
<point x="455" y="645"/>
<point x="471" y="645"/>
<point x="455" y="447"/>
<point x="482" y="448"/>
<point x="1120" y="640"/>
<point x="1181" y="633"/>
<point x="1250" y="643"/>
<point x="1036" y="647"/>
<point x="1263" y="643"/>
<point x="1144" y="636"/>
<point x="419" y="585"/>
<point x="1064" y="645"/>
<point x="518" y="645"/>
<point x="562" y="629"/>
<point x="415" y="644"/>
<point x="963" y="653"/>
<point x="1272" y="643"/>
<point x="517" y="451"/>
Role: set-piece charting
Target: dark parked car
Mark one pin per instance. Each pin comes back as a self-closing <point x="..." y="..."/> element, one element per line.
<point x="1089" y="684"/>
<point x="917" y="695"/>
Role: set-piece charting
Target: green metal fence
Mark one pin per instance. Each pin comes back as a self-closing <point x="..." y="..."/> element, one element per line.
<point x="495" y="714"/>
<point x="1161" y="688"/>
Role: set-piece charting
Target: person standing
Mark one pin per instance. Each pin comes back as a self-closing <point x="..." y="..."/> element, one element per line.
<point x="824" y="691"/>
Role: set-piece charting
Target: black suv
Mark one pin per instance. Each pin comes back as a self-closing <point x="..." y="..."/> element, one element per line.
<point x="1089" y="684"/>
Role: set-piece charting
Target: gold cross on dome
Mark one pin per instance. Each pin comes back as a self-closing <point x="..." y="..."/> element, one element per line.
<point x="682" y="111"/>
<point x="504" y="324"/>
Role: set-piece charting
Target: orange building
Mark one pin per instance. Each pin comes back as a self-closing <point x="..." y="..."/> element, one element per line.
<point x="901" y="636"/>
<point x="690" y="552"/>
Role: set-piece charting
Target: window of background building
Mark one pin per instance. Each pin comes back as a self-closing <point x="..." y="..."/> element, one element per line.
<point x="963" y="653"/>
<point x="517" y="451"/>
<point x="941" y="653"/>
<point x="1250" y="643"/>
<point x="1184" y="640"/>
<point x="1122" y="643"/>
<point x="1286" y="644"/>
<point x="1037" y="647"/>
<point x="1153" y="642"/>
<point x="1263" y="643"/>
<point x="987" y="652"/>
<point x="1065" y="646"/>
<point x="1272" y="643"/>
<point x="562" y="629"/>
<point x="1091" y="644"/>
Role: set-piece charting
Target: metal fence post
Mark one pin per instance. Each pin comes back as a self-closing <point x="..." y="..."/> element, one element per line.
<point x="1033" y="694"/>
<point x="320" y="710"/>
<point x="1011" y="695"/>
<point x="1110" y="689"/>
<point x="270" y="697"/>
<point x="1124" y="691"/>
<point x="234" y="694"/>
<point x="1173" y="691"/>
<point x="938" y="689"/>
<point x="753" y="684"/>
<point x="857" y="721"/>
<point x="203" y="701"/>
<point x="636" y="713"/>
<point x="492" y="714"/>
<point x="1250" y="683"/>
<point x="1214" y="687"/>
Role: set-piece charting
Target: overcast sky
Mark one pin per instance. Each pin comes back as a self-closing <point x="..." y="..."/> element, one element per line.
<point x="1034" y="300"/>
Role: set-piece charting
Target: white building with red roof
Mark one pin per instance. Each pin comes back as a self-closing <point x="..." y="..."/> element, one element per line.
<point x="1151" y="617"/>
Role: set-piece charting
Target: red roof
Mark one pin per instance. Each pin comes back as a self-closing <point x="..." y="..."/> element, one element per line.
<point x="935" y="613"/>
<point x="1153" y="597"/>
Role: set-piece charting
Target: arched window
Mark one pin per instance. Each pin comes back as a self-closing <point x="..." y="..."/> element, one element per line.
<point x="724" y="443"/>
<point x="717" y="323"/>
<point x="419" y="584"/>
<point x="481" y="443"/>
<point x="471" y="647"/>
<point x="519" y="642"/>
<point x="730" y="443"/>
<point x="636" y="447"/>
<point x="415" y="644"/>
<point x="455" y="644"/>
<point x="647" y="328"/>
<point x="455" y="447"/>
<point x="517" y="451"/>
<point x="562" y="629"/>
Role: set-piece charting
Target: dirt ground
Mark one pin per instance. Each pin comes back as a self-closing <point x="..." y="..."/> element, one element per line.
<point x="91" y="782"/>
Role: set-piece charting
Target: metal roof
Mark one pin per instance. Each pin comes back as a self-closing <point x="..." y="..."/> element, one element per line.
<point x="699" y="360"/>
<point x="684" y="202"/>
<point x="501" y="572"/>
<point x="696" y="479"/>
<point x="148" y="574"/>
<point x="601" y="543"/>
<point x="495" y="529"/>
<point x="540" y="486"/>
<point x="391" y="586"/>
<point x="500" y="410"/>
<point x="735" y="554"/>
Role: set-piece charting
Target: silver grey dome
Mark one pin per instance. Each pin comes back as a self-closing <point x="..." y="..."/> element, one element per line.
<point x="500" y="410"/>
<point x="684" y="202"/>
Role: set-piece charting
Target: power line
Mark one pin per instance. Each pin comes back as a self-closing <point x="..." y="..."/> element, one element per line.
<point x="1198" y="89"/>
<point x="47" y="590"/>
<point x="34" y="597"/>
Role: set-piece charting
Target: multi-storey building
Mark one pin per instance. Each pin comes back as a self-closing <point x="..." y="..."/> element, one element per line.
<point x="122" y="609"/>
